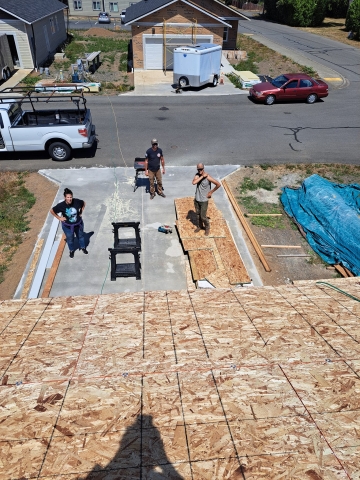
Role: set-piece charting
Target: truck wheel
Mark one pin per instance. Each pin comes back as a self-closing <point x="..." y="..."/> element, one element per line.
<point x="59" y="151"/>
<point x="183" y="82"/>
<point x="215" y="81"/>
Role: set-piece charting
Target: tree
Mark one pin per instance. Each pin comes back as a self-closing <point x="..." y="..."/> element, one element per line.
<point x="352" y="22"/>
<point x="337" y="8"/>
<point x="297" y="13"/>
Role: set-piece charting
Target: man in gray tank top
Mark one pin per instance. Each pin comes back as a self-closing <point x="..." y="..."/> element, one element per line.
<point x="203" y="192"/>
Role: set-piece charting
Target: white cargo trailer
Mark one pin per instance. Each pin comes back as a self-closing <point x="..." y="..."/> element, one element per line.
<point x="197" y="65"/>
<point x="6" y="63"/>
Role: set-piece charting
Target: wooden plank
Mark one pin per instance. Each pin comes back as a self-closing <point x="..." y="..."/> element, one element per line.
<point x="281" y="246"/>
<point x="198" y="244"/>
<point x="202" y="263"/>
<point x="246" y="227"/>
<point x="32" y="269"/>
<point x="232" y="261"/>
<point x="294" y="255"/>
<point x="54" y="268"/>
<point x="341" y="270"/>
<point x="349" y="273"/>
<point x="262" y="214"/>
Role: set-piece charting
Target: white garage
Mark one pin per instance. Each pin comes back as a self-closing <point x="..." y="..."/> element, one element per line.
<point x="154" y="49"/>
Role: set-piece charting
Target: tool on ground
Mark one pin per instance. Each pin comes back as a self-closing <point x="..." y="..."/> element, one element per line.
<point x="165" y="229"/>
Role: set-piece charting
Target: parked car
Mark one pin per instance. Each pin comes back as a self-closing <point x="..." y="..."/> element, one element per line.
<point x="104" y="17"/>
<point x="291" y="86"/>
<point x="122" y="16"/>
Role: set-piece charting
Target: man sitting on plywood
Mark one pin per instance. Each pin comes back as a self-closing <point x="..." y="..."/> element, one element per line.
<point x="203" y="192"/>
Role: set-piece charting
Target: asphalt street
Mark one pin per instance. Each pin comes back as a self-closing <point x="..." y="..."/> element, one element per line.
<point x="341" y="57"/>
<point x="221" y="130"/>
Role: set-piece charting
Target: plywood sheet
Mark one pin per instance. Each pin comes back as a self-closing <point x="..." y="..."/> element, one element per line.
<point x="232" y="261"/>
<point x="187" y="229"/>
<point x="202" y="263"/>
<point x="198" y="244"/>
<point x="218" y="279"/>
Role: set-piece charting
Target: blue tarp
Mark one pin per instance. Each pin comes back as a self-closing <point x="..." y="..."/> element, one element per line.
<point x="329" y="214"/>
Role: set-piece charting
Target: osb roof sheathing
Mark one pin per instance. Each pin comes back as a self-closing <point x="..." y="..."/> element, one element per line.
<point x="218" y="384"/>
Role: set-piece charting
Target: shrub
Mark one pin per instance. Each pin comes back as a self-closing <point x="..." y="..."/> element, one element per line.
<point x="353" y="19"/>
<point x="337" y="8"/>
<point x="297" y="13"/>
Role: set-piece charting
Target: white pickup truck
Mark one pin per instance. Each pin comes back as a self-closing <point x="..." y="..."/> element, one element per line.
<point x="57" y="131"/>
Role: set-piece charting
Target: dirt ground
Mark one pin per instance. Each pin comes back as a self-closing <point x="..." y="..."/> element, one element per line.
<point x="45" y="192"/>
<point x="333" y="28"/>
<point x="291" y="268"/>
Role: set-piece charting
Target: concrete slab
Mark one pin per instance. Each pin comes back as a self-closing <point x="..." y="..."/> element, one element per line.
<point x="109" y="197"/>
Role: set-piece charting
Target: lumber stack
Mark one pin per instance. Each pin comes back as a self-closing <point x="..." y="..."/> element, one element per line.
<point x="214" y="258"/>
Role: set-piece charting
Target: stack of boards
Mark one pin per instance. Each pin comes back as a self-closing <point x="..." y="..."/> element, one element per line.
<point x="214" y="258"/>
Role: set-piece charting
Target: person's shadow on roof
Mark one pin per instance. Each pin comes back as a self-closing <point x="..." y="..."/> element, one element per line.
<point x="141" y="453"/>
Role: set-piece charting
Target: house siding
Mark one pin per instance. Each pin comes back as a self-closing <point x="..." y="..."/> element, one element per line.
<point x="88" y="11"/>
<point x="175" y="13"/>
<point x="18" y="29"/>
<point x="222" y="11"/>
<point x="43" y="50"/>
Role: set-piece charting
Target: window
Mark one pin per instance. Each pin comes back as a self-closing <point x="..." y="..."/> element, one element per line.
<point x="305" y="83"/>
<point x="52" y="26"/>
<point x="77" y="4"/>
<point x="113" y="6"/>
<point x="96" y="6"/>
<point x="226" y="34"/>
<point x="56" y="23"/>
<point x="292" y="84"/>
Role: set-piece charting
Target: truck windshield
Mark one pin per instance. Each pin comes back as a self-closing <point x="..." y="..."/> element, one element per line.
<point x="14" y="112"/>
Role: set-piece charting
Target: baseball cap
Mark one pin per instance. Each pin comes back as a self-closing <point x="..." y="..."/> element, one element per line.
<point x="154" y="141"/>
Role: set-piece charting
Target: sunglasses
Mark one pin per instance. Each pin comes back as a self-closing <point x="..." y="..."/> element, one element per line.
<point x="155" y="144"/>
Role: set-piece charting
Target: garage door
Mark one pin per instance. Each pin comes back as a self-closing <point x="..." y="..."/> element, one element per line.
<point x="154" y="50"/>
<point x="154" y="54"/>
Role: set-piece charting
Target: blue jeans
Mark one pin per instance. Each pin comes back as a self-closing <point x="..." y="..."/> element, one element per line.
<point x="78" y="231"/>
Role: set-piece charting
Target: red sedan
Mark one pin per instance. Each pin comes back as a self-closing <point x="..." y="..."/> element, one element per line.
<point x="291" y="86"/>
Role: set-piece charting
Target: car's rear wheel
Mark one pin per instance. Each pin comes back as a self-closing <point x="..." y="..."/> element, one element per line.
<point x="215" y="81"/>
<point x="59" y="151"/>
<point x="270" y="99"/>
<point x="312" y="98"/>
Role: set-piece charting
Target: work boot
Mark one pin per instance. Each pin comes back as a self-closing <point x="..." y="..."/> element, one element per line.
<point x="200" y="224"/>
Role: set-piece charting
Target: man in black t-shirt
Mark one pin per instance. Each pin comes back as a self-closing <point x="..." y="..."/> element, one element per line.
<point x="70" y="211"/>
<point x="153" y="157"/>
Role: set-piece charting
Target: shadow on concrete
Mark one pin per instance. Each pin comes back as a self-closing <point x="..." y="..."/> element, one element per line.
<point x="141" y="454"/>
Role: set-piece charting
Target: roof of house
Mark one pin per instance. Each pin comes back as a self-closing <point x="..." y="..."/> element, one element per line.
<point x="31" y="11"/>
<point x="145" y="7"/>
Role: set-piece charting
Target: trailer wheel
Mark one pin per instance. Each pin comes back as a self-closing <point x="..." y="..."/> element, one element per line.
<point x="4" y="75"/>
<point x="8" y="73"/>
<point x="59" y="151"/>
<point x="215" y="81"/>
<point x="183" y="82"/>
